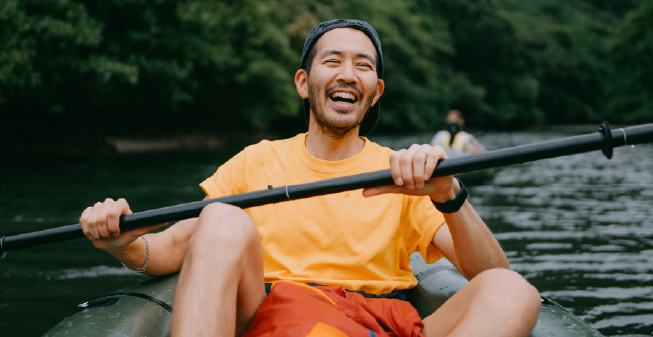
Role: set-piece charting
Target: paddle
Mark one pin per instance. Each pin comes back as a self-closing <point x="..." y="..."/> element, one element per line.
<point x="603" y="140"/>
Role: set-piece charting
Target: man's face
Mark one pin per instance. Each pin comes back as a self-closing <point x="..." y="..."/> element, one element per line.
<point x="343" y="82"/>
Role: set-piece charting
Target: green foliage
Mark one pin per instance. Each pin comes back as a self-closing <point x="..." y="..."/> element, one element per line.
<point x="41" y="41"/>
<point x="489" y="54"/>
<point x="565" y="47"/>
<point x="225" y="65"/>
<point x="144" y="59"/>
<point x="631" y="59"/>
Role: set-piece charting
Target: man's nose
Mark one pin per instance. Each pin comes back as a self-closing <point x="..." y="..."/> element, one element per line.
<point x="347" y="73"/>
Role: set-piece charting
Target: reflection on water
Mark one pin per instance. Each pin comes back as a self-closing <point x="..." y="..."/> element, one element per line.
<point x="580" y="228"/>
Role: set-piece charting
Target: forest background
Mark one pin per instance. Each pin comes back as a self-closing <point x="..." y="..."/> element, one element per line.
<point x="74" y="73"/>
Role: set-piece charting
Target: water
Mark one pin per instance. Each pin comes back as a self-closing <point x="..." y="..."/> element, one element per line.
<point x="580" y="228"/>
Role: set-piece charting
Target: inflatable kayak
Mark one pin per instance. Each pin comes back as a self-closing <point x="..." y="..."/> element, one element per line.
<point x="145" y="309"/>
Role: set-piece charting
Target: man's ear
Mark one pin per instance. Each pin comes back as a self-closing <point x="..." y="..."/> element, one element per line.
<point x="301" y="82"/>
<point x="379" y="90"/>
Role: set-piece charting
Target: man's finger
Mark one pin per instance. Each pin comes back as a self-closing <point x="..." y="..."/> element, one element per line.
<point x="395" y="167"/>
<point x="406" y="164"/>
<point x="419" y="163"/>
<point x="92" y="221"/>
<point x="113" y="216"/>
<point x="102" y="221"/>
<point x="83" y="221"/>
<point x="432" y="160"/>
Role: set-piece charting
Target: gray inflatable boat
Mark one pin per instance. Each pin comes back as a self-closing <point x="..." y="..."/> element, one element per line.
<point x="145" y="309"/>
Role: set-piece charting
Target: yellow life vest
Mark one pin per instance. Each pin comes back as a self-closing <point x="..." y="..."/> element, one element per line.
<point x="459" y="143"/>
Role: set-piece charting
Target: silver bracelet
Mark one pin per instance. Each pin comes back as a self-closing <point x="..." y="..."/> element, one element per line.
<point x="147" y="255"/>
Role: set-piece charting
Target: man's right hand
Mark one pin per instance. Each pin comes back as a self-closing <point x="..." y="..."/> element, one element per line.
<point x="100" y="223"/>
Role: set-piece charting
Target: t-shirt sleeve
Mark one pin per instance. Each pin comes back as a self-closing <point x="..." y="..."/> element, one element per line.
<point x="424" y="220"/>
<point x="228" y="179"/>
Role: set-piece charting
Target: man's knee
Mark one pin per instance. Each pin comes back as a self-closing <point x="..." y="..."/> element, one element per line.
<point x="505" y="281"/>
<point x="218" y="211"/>
<point x="225" y="225"/>
<point x="514" y="294"/>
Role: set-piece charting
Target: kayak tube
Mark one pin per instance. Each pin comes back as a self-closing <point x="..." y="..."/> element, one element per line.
<point x="145" y="308"/>
<point x="437" y="282"/>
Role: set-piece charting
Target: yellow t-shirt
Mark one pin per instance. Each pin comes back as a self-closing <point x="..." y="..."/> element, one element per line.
<point x="341" y="239"/>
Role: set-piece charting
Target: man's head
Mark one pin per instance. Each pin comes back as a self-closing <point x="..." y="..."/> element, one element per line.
<point x="340" y="76"/>
<point x="455" y="116"/>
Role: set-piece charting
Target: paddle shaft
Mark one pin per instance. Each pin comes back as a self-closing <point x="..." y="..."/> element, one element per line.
<point x="519" y="154"/>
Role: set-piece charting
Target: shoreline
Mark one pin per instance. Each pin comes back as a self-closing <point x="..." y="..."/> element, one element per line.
<point x="196" y="142"/>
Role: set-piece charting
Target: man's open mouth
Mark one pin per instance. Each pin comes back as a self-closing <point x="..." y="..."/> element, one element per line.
<point x="346" y="97"/>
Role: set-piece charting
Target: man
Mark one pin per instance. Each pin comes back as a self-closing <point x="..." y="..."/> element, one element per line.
<point x="454" y="137"/>
<point x="361" y="241"/>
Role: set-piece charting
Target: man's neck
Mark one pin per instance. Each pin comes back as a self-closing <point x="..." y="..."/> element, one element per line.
<point x="323" y="146"/>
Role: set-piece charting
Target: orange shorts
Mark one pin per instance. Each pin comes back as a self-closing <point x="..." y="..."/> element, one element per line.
<point x="297" y="309"/>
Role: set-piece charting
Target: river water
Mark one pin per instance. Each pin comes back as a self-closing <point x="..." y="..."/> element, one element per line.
<point x="580" y="228"/>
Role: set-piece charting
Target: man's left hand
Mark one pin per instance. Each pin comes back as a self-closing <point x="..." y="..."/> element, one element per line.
<point x="412" y="169"/>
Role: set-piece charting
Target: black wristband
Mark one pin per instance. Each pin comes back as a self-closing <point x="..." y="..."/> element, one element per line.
<point x="454" y="204"/>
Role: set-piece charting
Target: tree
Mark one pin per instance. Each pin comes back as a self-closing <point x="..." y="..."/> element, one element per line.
<point x="146" y="61"/>
<point x="631" y="76"/>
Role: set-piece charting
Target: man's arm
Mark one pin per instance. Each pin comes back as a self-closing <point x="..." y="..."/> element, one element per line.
<point x="465" y="239"/>
<point x="167" y="249"/>
<point x="468" y="243"/>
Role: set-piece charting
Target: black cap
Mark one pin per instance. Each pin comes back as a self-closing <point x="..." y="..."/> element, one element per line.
<point x="372" y="115"/>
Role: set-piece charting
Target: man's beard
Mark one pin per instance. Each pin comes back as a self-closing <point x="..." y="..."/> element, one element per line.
<point x="336" y="128"/>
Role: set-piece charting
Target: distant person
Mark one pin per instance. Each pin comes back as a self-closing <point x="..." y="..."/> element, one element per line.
<point x="453" y="137"/>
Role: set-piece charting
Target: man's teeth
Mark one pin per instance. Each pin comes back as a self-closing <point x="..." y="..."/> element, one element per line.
<point x="344" y="95"/>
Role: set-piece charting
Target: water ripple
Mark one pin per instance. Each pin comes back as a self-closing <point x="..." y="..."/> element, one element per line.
<point x="604" y="293"/>
<point x="622" y="321"/>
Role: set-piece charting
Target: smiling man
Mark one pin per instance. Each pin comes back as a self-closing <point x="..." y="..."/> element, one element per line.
<point x="360" y="240"/>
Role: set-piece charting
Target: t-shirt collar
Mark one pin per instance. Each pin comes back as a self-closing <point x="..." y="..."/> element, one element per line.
<point x="328" y="166"/>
